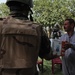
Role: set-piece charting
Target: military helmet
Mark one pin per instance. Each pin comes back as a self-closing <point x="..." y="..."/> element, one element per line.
<point x="27" y="2"/>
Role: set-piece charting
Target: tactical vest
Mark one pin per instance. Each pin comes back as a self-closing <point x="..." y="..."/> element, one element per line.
<point x="21" y="42"/>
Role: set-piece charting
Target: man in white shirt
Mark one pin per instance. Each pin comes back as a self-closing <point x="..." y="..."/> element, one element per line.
<point x="68" y="60"/>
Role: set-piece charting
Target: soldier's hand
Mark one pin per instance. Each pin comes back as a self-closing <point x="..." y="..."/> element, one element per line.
<point x="50" y="56"/>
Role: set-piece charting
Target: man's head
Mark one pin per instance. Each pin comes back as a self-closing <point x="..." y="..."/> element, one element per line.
<point x="69" y="25"/>
<point x="20" y="6"/>
<point x="26" y="2"/>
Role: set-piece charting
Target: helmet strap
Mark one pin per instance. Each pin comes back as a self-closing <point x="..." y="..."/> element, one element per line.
<point x="31" y="12"/>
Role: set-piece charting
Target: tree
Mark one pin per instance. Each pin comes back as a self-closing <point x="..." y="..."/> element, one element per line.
<point x="4" y="10"/>
<point x="48" y="12"/>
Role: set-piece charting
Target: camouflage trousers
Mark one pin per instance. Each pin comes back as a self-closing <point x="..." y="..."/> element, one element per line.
<point x="28" y="71"/>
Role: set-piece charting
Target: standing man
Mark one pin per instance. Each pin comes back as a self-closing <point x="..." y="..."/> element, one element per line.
<point x="56" y="33"/>
<point x="68" y="60"/>
<point x="21" y="40"/>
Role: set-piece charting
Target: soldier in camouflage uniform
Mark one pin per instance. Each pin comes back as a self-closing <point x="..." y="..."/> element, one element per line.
<point x="15" y="58"/>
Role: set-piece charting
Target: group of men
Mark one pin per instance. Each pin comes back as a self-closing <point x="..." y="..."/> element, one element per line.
<point x="22" y="41"/>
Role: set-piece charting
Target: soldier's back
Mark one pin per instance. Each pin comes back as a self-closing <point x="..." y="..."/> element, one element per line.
<point x="21" y="42"/>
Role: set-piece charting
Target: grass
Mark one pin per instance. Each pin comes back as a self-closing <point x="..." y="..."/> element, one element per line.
<point x="47" y="69"/>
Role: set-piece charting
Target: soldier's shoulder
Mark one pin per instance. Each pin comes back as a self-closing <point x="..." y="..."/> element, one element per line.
<point x="1" y="20"/>
<point x="27" y="23"/>
<point x="33" y="23"/>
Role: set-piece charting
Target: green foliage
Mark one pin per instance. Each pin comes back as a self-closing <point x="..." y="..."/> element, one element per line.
<point x="48" y="12"/>
<point x="4" y="10"/>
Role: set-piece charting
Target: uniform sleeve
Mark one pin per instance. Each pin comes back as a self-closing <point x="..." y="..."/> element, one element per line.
<point x="45" y="46"/>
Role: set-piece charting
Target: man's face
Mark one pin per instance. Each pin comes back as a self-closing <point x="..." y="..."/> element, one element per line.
<point x="67" y="26"/>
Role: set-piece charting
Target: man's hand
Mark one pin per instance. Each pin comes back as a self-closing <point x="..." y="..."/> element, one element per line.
<point x="50" y="56"/>
<point x="67" y="45"/>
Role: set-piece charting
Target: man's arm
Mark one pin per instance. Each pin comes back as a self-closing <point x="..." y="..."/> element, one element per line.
<point x="45" y="48"/>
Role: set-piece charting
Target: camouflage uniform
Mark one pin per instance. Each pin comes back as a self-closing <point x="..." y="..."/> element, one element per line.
<point x="16" y="59"/>
<point x="17" y="56"/>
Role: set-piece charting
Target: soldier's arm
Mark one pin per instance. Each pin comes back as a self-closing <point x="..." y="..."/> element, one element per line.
<point x="45" y="48"/>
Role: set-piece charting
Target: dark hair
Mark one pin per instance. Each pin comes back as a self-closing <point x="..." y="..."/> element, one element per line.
<point x="71" y="21"/>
